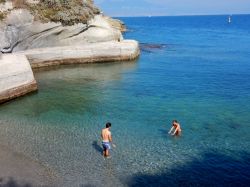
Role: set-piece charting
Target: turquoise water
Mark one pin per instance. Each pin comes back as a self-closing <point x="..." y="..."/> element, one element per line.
<point x="199" y="76"/>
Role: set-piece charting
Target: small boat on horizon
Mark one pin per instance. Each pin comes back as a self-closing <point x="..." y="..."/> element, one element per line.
<point x="229" y="19"/>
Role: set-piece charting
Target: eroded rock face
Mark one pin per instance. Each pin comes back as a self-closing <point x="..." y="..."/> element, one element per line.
<point x="21" y="32"/>
<point x="35" y="32"/>
<point x="6" y="6"/>
<point x="126" y="50"/>
<point x="16" y="77"/>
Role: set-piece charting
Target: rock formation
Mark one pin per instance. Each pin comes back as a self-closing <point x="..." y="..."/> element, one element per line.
<point x="24" y="29"/>
<point x="92" y="53"/>
<point x="16" y="77"/>
<point x="50" y="32"/>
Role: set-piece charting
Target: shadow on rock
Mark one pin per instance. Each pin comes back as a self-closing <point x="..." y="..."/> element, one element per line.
<point x="212" y="170"/>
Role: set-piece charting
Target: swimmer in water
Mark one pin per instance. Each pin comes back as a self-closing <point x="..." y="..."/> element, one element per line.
<point x="106" y="140"/>
<point x="176" y="129"/>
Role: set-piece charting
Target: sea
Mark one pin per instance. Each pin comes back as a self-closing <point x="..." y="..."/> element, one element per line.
<point x="195" y="69"/>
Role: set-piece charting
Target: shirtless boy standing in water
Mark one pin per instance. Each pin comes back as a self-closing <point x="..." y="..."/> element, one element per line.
<point x="176" y="127"/>
<point x="106" y="139"/>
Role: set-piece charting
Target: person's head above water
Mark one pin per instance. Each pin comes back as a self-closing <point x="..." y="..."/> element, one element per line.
<point x="108" y="125"/>
<point x="174" y="121"/>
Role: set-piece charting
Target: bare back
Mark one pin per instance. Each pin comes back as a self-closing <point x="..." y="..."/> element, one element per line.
<point x="106" y="135"/>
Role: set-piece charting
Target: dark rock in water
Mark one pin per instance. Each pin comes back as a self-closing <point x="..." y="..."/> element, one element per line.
<point x="153" y="46"/>
<point x="150" y="47"/>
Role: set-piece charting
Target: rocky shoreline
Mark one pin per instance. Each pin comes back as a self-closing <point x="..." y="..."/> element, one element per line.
<point x="126" y="50"/>
<point x="32" y="39"/>
<point x="16" y="76"/>
<point x="36" y="34"/>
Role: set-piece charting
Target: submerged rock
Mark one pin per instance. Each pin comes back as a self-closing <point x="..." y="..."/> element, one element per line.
<point x="151" y="47"/>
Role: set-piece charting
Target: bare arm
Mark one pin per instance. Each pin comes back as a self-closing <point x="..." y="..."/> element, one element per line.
<point x="110" y="140"/>
<point x="170" y="130"/>
<point x="174" y="132"/>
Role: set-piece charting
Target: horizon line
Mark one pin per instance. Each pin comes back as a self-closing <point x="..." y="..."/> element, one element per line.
<point x="223" y="14"/>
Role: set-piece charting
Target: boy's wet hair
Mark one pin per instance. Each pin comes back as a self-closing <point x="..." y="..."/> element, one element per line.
<point x="175" y="121"/>
<point x="108" y="125"/>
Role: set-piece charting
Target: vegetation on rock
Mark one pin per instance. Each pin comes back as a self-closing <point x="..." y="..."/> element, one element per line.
<point x="68" y="12"/>
<point x="2" y="15"/>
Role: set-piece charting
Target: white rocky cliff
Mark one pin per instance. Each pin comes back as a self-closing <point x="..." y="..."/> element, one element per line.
<point x="16" y="77"/>
<point x="52" y="32"/>
<point x="20" y="31"/>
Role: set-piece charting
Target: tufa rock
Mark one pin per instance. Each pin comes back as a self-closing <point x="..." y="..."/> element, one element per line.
<point x="21" y="32"/>
<point x="16" y="77"/>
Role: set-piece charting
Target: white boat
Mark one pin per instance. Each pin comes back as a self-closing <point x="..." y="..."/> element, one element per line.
<point x="229" y="19"/>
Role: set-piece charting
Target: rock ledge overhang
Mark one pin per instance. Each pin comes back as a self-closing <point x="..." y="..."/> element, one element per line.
<point x="16" y="75"/>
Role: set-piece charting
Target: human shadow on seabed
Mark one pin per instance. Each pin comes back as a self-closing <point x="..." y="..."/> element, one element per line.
<point x="12" y="183"/>
<point x="212" y="170"/>
<point x="97" y="147"/>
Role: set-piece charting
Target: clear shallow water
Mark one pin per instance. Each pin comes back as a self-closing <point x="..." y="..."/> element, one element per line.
<point x="200" y="78"/>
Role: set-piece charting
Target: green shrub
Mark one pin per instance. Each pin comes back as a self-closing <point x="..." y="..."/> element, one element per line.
<point x="68" y="12"/>
<point x="2" y="1"/>
<point x="2" y="15"/>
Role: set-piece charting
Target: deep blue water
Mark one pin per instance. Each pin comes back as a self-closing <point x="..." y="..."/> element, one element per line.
<point x="199" y="75"/>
